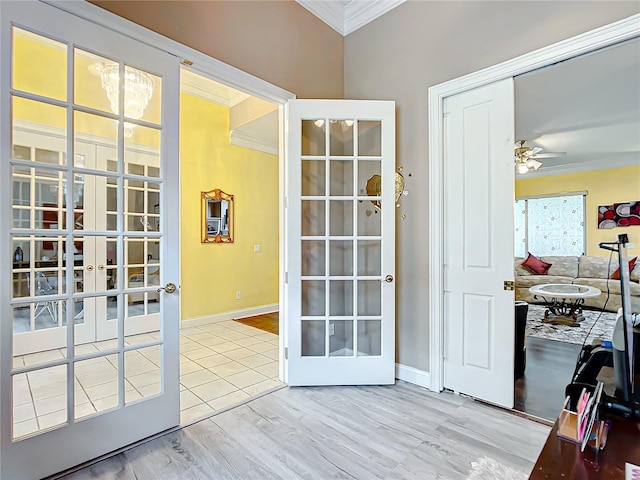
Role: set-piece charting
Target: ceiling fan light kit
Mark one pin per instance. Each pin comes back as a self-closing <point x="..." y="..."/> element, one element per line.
<point x="524" y="157"/>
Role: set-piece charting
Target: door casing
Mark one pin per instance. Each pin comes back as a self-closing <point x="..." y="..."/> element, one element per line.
<point x="587" y="42"/>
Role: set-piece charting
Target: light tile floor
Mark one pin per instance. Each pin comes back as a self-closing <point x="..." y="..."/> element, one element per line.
<point x="220" y="364"/>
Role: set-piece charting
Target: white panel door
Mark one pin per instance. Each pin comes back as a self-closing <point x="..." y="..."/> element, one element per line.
<point x="340" y="224"/>
<point x="82" y="231"/>
<point x="478" y="251"/>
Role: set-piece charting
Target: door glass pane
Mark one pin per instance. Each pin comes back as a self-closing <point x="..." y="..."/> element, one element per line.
<point x="367" y="171"/>
<point x="24" y="411"/>
<point x="341" y="177"/>
<point x="313" y="297"/>
<point x="39" y="65"/>
<point x="142" y="370"/>
<point x="369" y="138"/>
<point x="313" y="257"/>
<point x="313" y="338"/>
<point x="38" y="316"/>
<point x="98" y="380"/>
<point x="369" y="298"/>
<point x="369" y="337"/>
<point x="313" y="137"/>
<point x="341" y="217"/>
<point x="142" y="96"/>
<point x="94" y="85"/>
<point x="34" y="113"/>
<point x="341" y="338"/>
<point x="369" y="257"/>
<point x="369" y="220"/>
<point x="341" y="137"/>
<point x="313" y="221"/>
<point x="147" y="162"/>
<point x="313" y="177"/>
<point x="341" y="297"/>
<point x="341" y="257"/>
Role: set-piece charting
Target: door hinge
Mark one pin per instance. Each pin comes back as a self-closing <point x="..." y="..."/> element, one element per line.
<point x="286" y="277"/>
<point x="286" y="202"/>
<point x="509" y="285"/>
<point x="286" y="353"/>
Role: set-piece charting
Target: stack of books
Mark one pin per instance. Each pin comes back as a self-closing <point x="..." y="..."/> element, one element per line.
<point x="584" y="426"/>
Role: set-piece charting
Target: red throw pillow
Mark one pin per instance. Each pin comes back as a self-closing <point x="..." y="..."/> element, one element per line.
<point x="535" y="265"/>
<point x="616" y="275"/>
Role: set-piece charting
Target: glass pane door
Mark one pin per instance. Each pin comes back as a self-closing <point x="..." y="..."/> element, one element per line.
<point x="87" y="118"/>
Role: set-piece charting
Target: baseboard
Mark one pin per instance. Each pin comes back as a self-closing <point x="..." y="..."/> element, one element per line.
<point x="221" y="317"/>
<point x="413" y="375"/>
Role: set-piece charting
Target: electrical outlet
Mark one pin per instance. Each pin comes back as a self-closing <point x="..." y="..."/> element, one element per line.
<point x="332" y="329"/>
<point x="238" y="295"/>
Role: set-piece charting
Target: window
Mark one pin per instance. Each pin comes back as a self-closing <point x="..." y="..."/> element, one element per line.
<point x="550" y="225"/>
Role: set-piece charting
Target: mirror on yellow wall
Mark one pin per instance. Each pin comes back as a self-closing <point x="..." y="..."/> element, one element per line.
<point x="217" y="217"/>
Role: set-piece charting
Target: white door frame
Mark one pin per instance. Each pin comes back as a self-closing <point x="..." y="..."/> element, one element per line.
<point x="578" y="45"/>
<point x="214" y="69"/>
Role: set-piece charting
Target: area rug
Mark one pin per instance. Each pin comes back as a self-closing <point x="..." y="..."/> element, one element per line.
<point x="603" y="328"/>
<point x="489" y="469"/>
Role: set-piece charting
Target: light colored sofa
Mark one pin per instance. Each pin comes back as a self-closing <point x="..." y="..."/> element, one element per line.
<point x="584" y="270"/>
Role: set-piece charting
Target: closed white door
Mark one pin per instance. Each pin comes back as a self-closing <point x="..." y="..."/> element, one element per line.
<point x="478" y="246"/>
<point x="340" y="243"/>
<point x="85" y="237"/>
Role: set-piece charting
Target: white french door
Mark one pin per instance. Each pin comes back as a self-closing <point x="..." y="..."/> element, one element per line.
<point x="478" y="211"/>
<point x="88" y="240"/>
<point x="340" y="260"/>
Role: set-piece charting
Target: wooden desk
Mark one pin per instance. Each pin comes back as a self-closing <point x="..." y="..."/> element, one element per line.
<point x="563" y="459"/>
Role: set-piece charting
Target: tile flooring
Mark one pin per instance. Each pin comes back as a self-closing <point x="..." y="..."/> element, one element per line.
<point x="220" y="364"/>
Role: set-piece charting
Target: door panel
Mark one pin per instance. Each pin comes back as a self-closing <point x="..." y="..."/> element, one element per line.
<point x="479" y="186"/>
<point x="341" y="243"/>
<point x="80" y="395"/>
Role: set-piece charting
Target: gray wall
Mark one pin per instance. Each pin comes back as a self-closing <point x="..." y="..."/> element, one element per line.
<point x="420" y="44"/>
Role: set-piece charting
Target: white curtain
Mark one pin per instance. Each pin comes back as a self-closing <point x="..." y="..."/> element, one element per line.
<point x="554" y="226"/>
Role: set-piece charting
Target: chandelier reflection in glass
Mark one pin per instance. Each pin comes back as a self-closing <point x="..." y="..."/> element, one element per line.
<point x="138" y="90"/>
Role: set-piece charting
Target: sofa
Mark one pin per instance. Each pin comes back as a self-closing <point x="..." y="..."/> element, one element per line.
<point x="583" y="270"/>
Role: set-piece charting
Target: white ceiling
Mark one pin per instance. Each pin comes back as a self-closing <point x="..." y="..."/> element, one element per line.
<point x="587" y="107"/>
<point x="346" y="16"/>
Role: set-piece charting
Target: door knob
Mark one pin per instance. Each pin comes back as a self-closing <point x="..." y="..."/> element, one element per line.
<point x="388" y="279"/>
<point x="101" y="267"/>
<point x="168" y="288"/>
<point x="89" y="268"/>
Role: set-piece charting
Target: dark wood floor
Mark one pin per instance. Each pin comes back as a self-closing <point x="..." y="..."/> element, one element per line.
<point x="550" y="365"/>
<point x="267" y="322"/>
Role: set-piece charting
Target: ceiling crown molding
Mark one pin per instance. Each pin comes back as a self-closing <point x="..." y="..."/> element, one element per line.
<point x="347" y="16"/>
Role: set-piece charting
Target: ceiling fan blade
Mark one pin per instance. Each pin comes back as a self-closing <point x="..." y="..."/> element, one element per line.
<point x="550" y="154"/>
<point x="536" y="150"/>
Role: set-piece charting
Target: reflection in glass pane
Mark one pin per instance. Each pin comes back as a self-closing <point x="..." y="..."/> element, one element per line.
<point x="341" y="257"/>
<point x="341" y="137"/>
<point x="341" y="338"/>
<point x="41" y="113"/>
<point x="366" y="170"/>
<point x="341" y="297"/>
<point x="89" y="125"/>
<point x="341" y="217"/>
<point x="139" y="163"/>
<point x="369" y="138"/>
<point x="142" y="370"/>
<point x="341" y="177"/>
<point x="369" y="219"/>
<point x="98" y="382"/>
<point x="313" y="177"/>
<point x="313" y="297"/>
<point x="369" y="257"/>
<point x="313" y="338"/>
<point x="313" y="221"/>
<point x="369" y="337"/>
<point x="39" y="65"/>
<point x="90" y="89"/>
<point x="313" y="257"/>
<point x="313" y="137"/>
<point x="369" y="298"/>
<point x="142" y="99"/>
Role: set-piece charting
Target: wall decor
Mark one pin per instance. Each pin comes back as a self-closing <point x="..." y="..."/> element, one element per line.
<point x="217" y="217"/>
<point x="619" y="215"/>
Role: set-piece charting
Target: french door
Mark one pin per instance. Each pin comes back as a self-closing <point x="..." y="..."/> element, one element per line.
<point x="88" y="163"/>
<point x="340" y="260"/>
<point x="478" y="205"/>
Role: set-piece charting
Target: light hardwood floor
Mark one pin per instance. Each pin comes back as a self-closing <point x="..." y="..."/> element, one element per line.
<point x="394" y="432"/>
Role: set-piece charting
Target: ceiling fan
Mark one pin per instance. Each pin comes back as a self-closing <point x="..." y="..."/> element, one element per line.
<point x="525" y="157"/>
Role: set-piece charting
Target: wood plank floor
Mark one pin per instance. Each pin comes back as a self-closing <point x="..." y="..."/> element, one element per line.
<point x="392" y="432"/>
<point x="550" y="365"/>
<point x="267" y="322"/>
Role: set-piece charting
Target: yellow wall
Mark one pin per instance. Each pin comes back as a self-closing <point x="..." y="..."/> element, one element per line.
<point x="213" y="273"/>
<point x="604" y="187"/>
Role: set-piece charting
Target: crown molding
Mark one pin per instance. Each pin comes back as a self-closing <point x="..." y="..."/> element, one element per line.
<point x="254" y="142"/>
<point x="346" y="17"/>
<point x="588" y="166"/>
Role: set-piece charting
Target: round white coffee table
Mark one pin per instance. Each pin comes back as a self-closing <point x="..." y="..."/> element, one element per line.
<point x="563" y="301"/>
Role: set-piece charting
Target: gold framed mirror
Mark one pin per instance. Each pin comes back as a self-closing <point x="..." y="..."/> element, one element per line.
<point x="217" y="217"/>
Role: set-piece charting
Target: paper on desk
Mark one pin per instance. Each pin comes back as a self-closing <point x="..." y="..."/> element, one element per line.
<point x="632" y="472"/>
